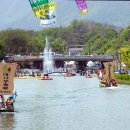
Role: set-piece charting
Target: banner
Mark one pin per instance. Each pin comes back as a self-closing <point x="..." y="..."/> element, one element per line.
<point x="48" y="19"/>
<point x="7" y="72"/>
<point x="82" y="5"/>
<point x="44" y="9"/>
<point x="109" y="66"/>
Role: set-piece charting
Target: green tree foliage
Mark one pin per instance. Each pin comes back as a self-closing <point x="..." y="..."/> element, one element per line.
<point x="2" y="50"/>
<point x="125" y="55"/>
<point x="35" y="45"/>
<point x="58" y="45"/>
<point x="125" y="34"/>
<point x="96" y="37"/>
<point x="2" y="46"/>
<point x="16" y="41"/>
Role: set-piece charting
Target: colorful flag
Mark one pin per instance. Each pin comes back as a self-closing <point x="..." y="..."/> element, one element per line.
<point x="82" y="5"/>
<point x="48" y="19"/>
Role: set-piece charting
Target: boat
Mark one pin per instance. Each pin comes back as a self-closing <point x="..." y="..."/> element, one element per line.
<point x="6" y="111"/>
<point x="88" y="76"/>
<point x="108" y="79"/>
<point x="108" y="83"/>
<point x="46" y="78"/>
<point x="20" y="77"/>
<point x="70" y="74"/>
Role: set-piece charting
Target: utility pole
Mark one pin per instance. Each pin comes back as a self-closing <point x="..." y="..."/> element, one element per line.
<point x="89" y="49"/>
<point x="120" y="61"/>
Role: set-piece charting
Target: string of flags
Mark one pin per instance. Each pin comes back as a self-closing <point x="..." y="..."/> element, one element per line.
<point x="46" y="11"/>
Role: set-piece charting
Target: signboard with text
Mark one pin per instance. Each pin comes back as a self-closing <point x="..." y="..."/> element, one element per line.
<point x="7" y="73"/>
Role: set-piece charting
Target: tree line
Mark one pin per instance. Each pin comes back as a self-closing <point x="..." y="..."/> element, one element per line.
<point x="97" y="38"/>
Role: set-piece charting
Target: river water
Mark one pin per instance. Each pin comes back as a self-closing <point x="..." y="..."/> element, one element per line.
<point x="72" y="103"/>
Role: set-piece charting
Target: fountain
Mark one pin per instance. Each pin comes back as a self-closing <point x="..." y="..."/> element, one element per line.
<point x="48" y="58"/>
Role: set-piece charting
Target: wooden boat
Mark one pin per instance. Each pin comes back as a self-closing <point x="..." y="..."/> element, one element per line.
<point x="20" y="77"/>
<point x="7" y="110"/>
<point x="46" y="78"/>
<point x="108" y="79"/>
<point x="88" y="76"/>
<point x="108" y="83"/>
<point x="69" y="74"/>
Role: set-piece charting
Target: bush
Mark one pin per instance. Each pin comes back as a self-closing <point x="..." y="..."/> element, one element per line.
<point x="122" y="76"/>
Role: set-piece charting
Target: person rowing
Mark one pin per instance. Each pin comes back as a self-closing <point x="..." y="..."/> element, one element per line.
<point x="9" y="104"/>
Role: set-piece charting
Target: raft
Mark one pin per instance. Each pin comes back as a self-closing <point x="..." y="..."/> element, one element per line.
<point x="46" y="78"/>
<point x="88" y="76"/>
<point x="20" y="77"/>
<point x="69" y="74"/>
<point x="5" y="110"/>
<point x="104" y="83"/>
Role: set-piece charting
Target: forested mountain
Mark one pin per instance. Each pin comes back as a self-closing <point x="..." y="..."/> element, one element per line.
<point x="18" y="14"/>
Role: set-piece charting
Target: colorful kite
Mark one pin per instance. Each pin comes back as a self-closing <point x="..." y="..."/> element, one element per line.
<point x="82" y="5"/>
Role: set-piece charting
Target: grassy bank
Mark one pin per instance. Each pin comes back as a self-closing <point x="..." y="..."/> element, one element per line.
<point x="123" y="78"/>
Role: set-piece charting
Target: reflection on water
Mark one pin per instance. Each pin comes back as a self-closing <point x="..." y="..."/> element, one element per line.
<point x="7" y="121"/>
<point x="73" y="103"/>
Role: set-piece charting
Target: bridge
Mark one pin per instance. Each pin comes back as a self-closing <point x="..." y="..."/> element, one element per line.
<point x="103" y="58"/>
<point x="59" y="60"/>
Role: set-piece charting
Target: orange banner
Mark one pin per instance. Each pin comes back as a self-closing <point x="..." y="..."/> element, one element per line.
<point x="7" y="73"/>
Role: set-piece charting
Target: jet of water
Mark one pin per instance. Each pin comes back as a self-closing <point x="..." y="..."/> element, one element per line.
<point x="48" y="58"/>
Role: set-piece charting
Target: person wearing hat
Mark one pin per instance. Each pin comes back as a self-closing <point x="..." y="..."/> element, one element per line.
<point x="9" y="104"/>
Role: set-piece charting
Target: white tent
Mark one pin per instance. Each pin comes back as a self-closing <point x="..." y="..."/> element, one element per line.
<point x="90" y="64"/>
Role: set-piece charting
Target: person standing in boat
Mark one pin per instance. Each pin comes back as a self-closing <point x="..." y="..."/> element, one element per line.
<point x="9" y="104"/>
